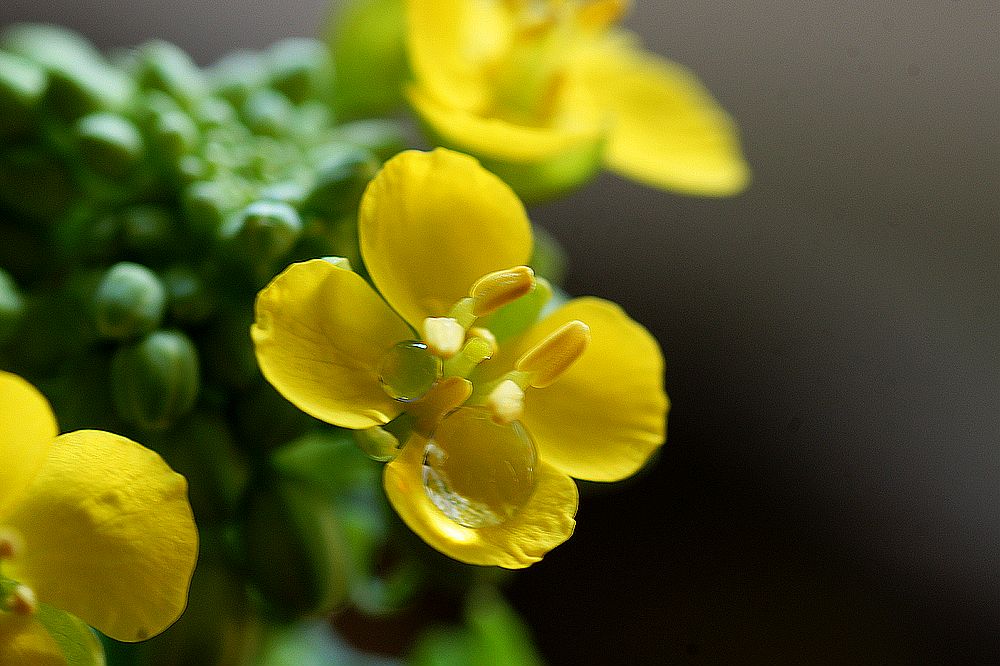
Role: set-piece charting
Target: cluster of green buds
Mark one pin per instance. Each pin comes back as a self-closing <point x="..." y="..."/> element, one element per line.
<point x="144" y="201"/>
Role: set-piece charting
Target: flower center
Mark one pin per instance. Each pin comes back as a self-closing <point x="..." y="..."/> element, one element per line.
<point x="476" y="472"/>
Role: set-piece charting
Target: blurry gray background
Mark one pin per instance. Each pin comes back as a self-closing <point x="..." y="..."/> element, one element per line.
<point x="830" y="489"/>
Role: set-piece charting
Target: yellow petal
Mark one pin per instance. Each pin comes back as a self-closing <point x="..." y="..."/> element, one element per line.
<point x="27" y="428"/>
<point x="667" y="130"/>
<point x="604" y="417"/>
<point x="431" y="224"/>
<point x="541" y="525"/>
<point x="108" y="535"/>
<point x="450" y="41"/>
<point x="24" y="640"/>
<point x="320" y="335"/>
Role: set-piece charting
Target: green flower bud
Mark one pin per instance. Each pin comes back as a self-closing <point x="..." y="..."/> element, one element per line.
<point x="268" y="112"/>
<point x="11" y="307"/>
<point x="300" y="68"/>
<point x="237" y="75"/>
<point x="34" y="184"/>
<point x="264" y="230"/>
<point x="206" y="204"/>
<point x="384" y="138"/>
<point x="155" y="381"/>
<point x="128" y="302"/>
<point x="173" y="135"/>
<point x="109" y="144"/>
<point x="342" y="177"/>
<point x="164" y="66"/>
<point x="22" y="85"/>
<point x="295" y="552"/>
<point x="190" y="301"/>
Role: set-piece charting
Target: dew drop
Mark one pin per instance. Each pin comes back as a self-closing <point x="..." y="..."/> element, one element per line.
<point x="408" y="371"/>
<point x="479" y="473"/>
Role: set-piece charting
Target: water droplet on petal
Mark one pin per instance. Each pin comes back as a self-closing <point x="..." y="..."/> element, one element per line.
<point x="479" y="473"/>
<point x="408" y="371"/>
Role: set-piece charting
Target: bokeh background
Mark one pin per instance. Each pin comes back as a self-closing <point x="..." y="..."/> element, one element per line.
<point x="830" y="489"/>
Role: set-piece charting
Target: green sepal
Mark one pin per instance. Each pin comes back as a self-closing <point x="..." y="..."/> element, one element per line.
<point x="156" y="380"/>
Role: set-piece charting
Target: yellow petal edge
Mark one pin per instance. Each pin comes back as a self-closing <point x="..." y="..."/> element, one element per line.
<point x="108" y="535"/>
<point x="27" y="428"/>
<point x="541" y="525"/>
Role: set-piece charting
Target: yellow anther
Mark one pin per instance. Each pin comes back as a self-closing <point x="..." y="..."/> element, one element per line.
<point x="446" y="396"/>
<point x="21" y="601"/>
<point x="339" y="262"/>
<point x="495" y="290"/>
<point x="487" y="335"/>
<point x="443" y="336"/>
<point x="550" y="358"/>
<point x="506" y="402"/>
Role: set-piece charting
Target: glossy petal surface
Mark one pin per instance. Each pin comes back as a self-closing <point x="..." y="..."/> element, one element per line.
<point x="541" y="525"/>
<point x="27" y="428"/>
<point x="320" y="334"/>
<point x="108" y="535"/>
<point x="666" y="129"/>
<point x="449" y="41"/>
<point x="605" y="416"/>
<point x="431" y="224"/>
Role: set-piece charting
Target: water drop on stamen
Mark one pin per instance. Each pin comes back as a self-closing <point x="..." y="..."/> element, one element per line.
<point x="479" y="473"/>
<point x="408" y="370"/>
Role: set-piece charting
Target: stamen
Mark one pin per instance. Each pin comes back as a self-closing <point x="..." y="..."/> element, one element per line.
<point x="506" y="402"/>
<point x="475" y="351"/>
<point x="446" y="396"/>
<point x="443" y="335"/>
<point x="554" y="355"/>
<point x="487" y="335"/>
<point x="495" y="290"/>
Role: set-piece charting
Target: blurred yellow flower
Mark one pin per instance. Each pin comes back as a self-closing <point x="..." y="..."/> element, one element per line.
<point x="484" y="425"/>
<point x="544" y="92"/>
<point x="92" y="524"/>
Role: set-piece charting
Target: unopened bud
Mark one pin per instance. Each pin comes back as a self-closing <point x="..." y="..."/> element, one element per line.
<point x="551" y="357"/>
<point x="495" y="290"/>
<point x="129" y="301"/>
<point x="156" y="380"/>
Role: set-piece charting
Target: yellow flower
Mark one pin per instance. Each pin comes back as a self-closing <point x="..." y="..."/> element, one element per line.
<point x="546" y="91"/>
<point x="491" y="423"/>
<point x="92" y="524"/>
